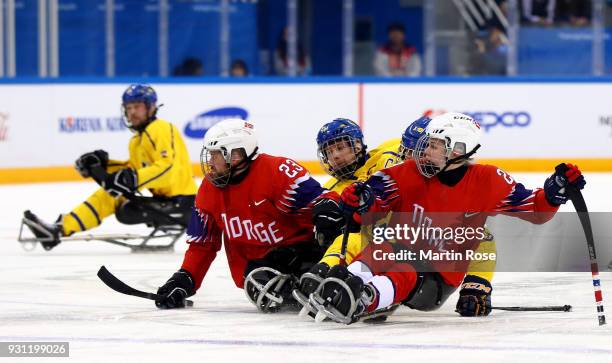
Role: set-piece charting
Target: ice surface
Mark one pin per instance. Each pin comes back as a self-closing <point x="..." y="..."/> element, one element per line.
<point x="56" y="296"/>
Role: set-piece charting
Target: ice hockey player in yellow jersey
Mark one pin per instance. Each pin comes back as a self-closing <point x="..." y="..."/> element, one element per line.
<point x="158" y="161"/>
<point x="344" y="155"/>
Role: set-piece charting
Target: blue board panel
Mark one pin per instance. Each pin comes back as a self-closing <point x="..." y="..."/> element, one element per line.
<point x="559" y="51"/>
<point x="136" y="38"/>
<point x="26" y="37"/>
<point x="81" y="37"/>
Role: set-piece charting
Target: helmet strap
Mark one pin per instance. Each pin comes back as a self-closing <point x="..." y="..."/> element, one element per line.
<point x="153" y="117"/>
<point x="459" y="158"/>
<point x="240" y="170"/>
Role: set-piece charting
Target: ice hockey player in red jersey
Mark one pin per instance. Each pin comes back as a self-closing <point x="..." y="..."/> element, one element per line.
<point x="262" y="206"/>
<point x="440" y="178"/>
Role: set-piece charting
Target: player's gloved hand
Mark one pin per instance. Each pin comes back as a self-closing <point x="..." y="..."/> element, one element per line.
<point x="178" y="288"/>
<point x="474" y="297"/>
<point x="120" y="183"/>
<point x="357" y="197"/>
<point x="85" y="162"/>
<point x="555" y="185"/>
<point x="355" y="200"/>
<point x="328" y="221"/>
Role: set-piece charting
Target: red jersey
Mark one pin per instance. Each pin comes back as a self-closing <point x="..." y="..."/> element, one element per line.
<point x="269" y="208"/>
<point x="484" y="190"/>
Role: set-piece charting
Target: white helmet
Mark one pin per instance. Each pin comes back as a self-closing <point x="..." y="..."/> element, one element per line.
<point x="460" y="132"/>
<point x="225" y="137"/>
<point x="461" y="136"/>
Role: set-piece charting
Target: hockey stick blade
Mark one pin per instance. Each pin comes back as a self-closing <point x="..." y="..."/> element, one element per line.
<point x="114" y="283"/>
<point x="565" y="308"/>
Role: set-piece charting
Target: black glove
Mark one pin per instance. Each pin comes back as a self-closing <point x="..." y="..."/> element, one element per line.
<point x="554" y="186"/>
<point x="179" y="287"/>
<point x="474" y="297"/>
<point x="125" y="181"/>
<point x="85" y="162"/>
<point x="328" y="221"/>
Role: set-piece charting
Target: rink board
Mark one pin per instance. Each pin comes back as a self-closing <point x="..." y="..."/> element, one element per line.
<point x="526" y="126"/>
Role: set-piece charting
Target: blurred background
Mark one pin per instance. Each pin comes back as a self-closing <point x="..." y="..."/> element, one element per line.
<point x="302" y="38"/>
<point x="534" y="73"/>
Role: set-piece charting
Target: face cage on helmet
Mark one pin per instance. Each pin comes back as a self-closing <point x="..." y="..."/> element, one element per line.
<point x="403" y="153"/>
<point x="345" y="171"/>
<point x="219" y="180"/>
<point x="426" y="167"/>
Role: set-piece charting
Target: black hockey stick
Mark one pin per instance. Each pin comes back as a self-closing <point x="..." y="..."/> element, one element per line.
<point x="345" y="236"/>
<point x="583" y="213"/>
<point x="566" y="308"/>
<point x="114" y="283"/>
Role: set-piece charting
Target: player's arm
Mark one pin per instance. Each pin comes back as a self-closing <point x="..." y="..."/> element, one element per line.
<point x="97" y="159"/>
<point x="380" y="193"/>
<point x="296" y="191"/>
<point x="204" y="239"/>
<point x="162" y="140"/>
<point x="383" y="160"/>
<point x="159" y="174"/>
<point x="540" y="204"/>
<point x="115" y="165"/>
<point x="514" y="199"/>
<point x="330" y="225"/>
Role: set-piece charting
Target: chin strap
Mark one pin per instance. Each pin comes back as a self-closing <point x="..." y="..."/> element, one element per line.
<point x="239" y="172"/>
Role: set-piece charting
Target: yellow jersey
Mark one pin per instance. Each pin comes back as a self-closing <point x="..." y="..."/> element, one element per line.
<point x="161" y="160"/>
<point x="384" y="156"/>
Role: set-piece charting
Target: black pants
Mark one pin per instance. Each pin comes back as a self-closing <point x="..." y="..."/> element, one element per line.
<point x="429" y="293"/>
<point x="157" y="211"/>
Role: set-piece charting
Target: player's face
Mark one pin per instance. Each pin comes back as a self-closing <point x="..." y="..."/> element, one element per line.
<point x="218" y="164"/>
<point x="435" y="153"/>
<point x="218" y="171"/>
<point x="341" y="153"/>
<point x="137" y="113"/>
